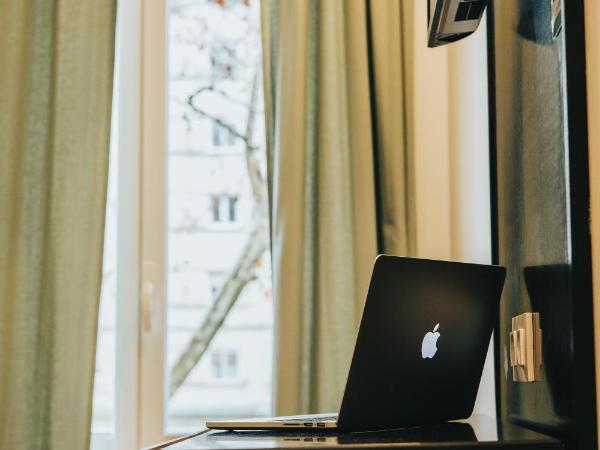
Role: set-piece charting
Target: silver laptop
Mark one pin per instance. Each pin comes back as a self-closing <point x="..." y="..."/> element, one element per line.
<point x="420" y="350"/>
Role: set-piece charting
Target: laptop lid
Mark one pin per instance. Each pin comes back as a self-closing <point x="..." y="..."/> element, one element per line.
<point x="422" y="343"/>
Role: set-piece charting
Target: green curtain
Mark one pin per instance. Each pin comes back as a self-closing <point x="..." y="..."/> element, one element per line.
<point x="338" y="180"/>
<point x="56" y="60"/>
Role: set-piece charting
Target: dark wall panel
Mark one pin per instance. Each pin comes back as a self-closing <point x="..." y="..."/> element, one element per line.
<point x="534" y="201"/>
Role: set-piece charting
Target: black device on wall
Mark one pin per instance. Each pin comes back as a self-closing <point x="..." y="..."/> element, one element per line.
<point x="540" y="208"/>
<point x="452" y="20"/>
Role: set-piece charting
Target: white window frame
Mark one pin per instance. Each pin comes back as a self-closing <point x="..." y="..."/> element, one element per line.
<point x="139" y="402"/>
<point x="140" y="389"/>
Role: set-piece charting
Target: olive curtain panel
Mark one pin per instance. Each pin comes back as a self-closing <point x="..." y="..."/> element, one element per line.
<point x="56" y="60"/>
<point x="338" y="180"/>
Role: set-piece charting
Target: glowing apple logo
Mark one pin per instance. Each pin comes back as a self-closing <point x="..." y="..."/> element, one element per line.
<point x="429" y="345"/>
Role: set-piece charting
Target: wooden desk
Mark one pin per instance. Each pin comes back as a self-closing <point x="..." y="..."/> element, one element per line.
<point x="475" y="432"/>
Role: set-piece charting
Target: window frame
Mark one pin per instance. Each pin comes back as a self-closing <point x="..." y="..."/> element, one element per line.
<point x="141" y="239"/>
<point x="153" y="240"/>
<point x="140" y="388"/>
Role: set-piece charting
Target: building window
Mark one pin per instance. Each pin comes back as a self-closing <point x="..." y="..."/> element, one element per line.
<point x="233" y="201"/>
<point x="224" y="208"/>
<point x="222" y="135"/>
<point x="224" y="365"/>
<point x="216" y="208"/>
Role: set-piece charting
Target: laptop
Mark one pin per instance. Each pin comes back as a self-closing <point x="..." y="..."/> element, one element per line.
<point x="420" y="350"/>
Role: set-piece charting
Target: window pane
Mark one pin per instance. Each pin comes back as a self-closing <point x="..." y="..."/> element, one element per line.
<point x="220" y="333"/>
<point x="216" y="208"/>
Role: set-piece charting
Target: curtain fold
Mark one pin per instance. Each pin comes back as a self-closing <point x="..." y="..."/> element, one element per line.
<point x="55" y="106"/>
<point x="390" y="46"/>
<point x="337" y="179"/>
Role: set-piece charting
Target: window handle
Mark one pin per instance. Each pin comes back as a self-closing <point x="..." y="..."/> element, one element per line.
<point x="148" y="304"/>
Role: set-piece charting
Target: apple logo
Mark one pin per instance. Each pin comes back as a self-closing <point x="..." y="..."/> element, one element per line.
<point x="429" y="345"/>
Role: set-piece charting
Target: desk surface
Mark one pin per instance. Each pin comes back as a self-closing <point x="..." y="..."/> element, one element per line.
<point x="478" y="430"/>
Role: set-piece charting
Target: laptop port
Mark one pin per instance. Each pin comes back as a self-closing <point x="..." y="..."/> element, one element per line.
<point x="320" y="424"/>
<point x="308" y="424"/>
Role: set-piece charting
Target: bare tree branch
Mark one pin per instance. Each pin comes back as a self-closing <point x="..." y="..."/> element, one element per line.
<point x="242" y="274"/>
<point x="218" y="121"/>
<point x="213" y="89"/>
<point x="234" y="131"/>
<point x="244" y="270"/>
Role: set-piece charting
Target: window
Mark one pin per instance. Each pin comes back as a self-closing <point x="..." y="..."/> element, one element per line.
<point x="224" y="208"/>
<point x="222" y="135"/>
<point x="215" y="81"/>
<point x="216" y="208"/>
<point x="179" y="292"/>
<point x="233" y="201"/>
<point x="224" y="365"/>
